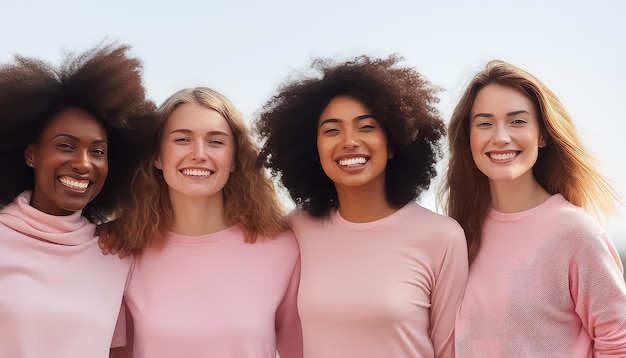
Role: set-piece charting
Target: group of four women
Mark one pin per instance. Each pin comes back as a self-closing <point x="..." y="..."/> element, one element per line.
<point x="358" y="269"/>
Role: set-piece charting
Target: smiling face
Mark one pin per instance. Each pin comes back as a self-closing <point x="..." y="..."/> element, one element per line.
<point x="352" y="145"/>
<point x="197" y="152"/>
<point x="69" y="161"/>
<point x="505" y="135"/>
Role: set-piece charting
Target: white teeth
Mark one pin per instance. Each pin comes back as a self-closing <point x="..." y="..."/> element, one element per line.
<point x="196" y="172"/>
<point x="352" y="161"/>
<point x="504" y="156"/>
<point x="74" y="184"/>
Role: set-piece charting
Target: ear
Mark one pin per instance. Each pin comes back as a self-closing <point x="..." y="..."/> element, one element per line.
<point x="233" y="166"/>
<point x="390" y="153"/>
<point x="29" y="154"/>
<point x="157" y="163"/>
<point x="542" y="139"/>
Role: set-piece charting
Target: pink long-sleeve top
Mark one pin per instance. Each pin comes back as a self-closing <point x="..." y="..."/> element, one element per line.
<point x="215" y="296"/>
<point x="387" y="288"/>
<point x="547" y="282"/>
<point x="59" y="296"/>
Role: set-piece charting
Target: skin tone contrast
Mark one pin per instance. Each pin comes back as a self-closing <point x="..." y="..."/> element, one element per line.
<point x="70" y="162"/>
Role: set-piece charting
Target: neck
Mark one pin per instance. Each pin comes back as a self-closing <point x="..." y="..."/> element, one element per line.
<point x="518" y="195"/>
<point x="363" y="204"/>
<point x="198" y="216"/>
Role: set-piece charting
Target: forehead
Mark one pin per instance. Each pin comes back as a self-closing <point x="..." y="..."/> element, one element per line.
<point x="495" y="97"/>
<point x="75" y="122"/>
<point x="344" y="107"/>
<point x="194" y="117"/>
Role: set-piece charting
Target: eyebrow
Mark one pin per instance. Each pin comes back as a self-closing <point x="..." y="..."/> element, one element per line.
<point x="188" y="131"/>
<point x="75" y="138"/>
<point x="357" y="118"/>
<point x="510" y="114"/>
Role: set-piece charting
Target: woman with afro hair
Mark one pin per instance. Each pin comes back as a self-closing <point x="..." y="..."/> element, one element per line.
<point x="69" y="142"/>
<point x="355" y="146"/>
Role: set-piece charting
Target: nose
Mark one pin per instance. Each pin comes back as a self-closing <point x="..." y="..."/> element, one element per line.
<point x="82" y="161"/>
<point x="199" y="153"/>
<point x="350" y="141"/>
<point x="501" y="135"/>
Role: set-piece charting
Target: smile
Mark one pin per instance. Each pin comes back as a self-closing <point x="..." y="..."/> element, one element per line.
<point x="196" y="172"/>
<point x="348" y="162"/>
<point x="74" y="183"/>
<point x="502" y="156"/>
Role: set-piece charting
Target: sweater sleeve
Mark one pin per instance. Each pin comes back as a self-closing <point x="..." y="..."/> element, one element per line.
<point x="447" y="294"/>
<point x="599" y="293"/>
<point x="288" y="327"/>
<point x="123" y="333"/>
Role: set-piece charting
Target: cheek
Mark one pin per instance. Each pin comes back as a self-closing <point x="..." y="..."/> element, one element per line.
<point x="324" y="154"/>
<point x="324" y="147"/>
<point x="103" y="169"/>
<point x="475" y="141"/>
<point x="474" y="147"/>
<point x="169" y="156"/>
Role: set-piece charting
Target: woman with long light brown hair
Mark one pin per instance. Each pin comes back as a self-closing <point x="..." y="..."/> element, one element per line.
<point x="545" y="280"/>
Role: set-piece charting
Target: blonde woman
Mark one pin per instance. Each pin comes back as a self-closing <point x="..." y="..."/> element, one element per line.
<point x="216" y="271"/>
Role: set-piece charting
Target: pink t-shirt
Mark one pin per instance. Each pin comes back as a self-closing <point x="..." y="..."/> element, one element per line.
<point x="59" y="296"/>
<point x="387" y="288"/>
<point x="547" y="282"/>
<point x="216" y="296"/>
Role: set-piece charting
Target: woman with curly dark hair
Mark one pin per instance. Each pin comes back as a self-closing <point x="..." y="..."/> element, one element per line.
<point x="69" y="140"/>
<point x="354" y="147"/>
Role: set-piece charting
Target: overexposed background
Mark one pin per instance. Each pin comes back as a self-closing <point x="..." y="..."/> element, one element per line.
<point x="245" y="49"/>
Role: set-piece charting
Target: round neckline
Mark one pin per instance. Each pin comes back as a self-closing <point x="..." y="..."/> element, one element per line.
<point x="337" y="218"/>
<point x="229" y="232"/>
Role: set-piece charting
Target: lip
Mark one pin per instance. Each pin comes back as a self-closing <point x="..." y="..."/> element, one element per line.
<point x="196" y="172"/>
<point x="75" y="184"/>
<point x="353" y="161"/>
<point x="503" y="156"/>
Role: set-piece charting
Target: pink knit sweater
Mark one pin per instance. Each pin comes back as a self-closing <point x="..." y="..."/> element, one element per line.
<point x="547" y="282"/>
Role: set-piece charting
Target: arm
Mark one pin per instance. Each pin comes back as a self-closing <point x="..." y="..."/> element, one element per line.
<point x="597" y="287"/>
<point x="110" y="241"/>
<point x="447" y="295"/>
<point x="288" y="328"/>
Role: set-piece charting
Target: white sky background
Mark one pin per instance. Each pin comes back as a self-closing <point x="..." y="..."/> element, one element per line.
<point x="245" y="49"/>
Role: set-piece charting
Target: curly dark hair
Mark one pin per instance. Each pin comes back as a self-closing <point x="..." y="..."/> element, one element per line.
<point x="102" y="81"/>
<point x="400" y="98"/>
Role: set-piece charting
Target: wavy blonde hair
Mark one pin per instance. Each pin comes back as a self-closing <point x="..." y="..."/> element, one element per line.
<point x="250" y="199"/>
<point x="564" y="166"/>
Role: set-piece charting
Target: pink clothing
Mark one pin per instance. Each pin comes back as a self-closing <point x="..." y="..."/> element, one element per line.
<point x="216" y="296"/>
<point x="547" y="282"/>
<point x="59" y="296"/>
<point x="387" y="288"/>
